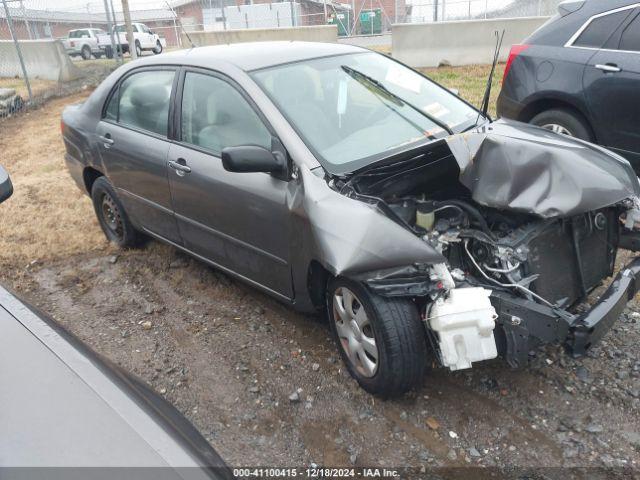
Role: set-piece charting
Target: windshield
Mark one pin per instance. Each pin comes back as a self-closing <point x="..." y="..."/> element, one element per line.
<point x="352" y="110"/>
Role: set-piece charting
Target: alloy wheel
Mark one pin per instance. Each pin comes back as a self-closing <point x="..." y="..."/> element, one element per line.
<point x="554" y="127"/>
<point x="355" y="332"/>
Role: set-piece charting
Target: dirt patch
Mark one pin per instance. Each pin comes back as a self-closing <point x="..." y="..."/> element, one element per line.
<point x="230" y="358"/>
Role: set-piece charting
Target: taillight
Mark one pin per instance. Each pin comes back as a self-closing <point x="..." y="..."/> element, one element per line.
<point x="62" y="126"/>
<point x="515" y="51"/>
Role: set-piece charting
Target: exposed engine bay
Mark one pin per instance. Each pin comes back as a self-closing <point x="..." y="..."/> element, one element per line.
<point x="526" y="270"/>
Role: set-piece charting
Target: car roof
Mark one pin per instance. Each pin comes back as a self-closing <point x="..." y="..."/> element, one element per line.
<point x="252" y="55"/>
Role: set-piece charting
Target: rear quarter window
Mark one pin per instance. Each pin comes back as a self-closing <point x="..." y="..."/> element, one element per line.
<point x="598" y="31"/>
<point x="630" y="39"/>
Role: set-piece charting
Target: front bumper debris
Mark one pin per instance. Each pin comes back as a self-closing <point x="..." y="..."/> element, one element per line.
<point x="526" y="323"/>
<point x="590" y="327"/>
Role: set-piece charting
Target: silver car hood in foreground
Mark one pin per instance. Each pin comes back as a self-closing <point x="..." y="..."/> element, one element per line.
<point x="62" y="408"/>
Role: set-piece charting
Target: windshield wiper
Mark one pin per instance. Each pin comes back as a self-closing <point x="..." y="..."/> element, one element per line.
<point x="389" y="95"/>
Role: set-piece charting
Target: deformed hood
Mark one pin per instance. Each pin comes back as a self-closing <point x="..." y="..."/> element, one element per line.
<point x="514" y="166"/>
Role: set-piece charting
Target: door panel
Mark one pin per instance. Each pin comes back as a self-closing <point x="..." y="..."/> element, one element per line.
<point x="133" y="144"/>
<point x="237" y="220"/>
<point x="136" y="164"/>
<point x="614" y="97"/>
<point x="612" y="88"/>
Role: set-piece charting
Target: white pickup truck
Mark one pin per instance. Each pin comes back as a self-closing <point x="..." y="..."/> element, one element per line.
<point x="143" y="37"/>
<point x="83" y="42"/>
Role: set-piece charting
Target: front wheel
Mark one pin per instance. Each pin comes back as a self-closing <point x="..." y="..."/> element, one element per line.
<point x="111" y="215"/>
<point x="158" y="49"/>
<point x="138" y="49"/>
<point x="381" y="340"/>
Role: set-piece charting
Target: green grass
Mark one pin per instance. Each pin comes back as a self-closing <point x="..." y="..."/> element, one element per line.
<point x="470" y="81"/>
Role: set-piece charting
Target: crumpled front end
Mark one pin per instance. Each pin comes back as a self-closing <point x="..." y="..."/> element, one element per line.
<point x="500" y="235"/>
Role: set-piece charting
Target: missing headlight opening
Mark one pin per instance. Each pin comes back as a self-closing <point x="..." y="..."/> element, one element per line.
<point x="521" y="252"/>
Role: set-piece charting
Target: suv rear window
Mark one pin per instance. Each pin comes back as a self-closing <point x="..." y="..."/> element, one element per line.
<point x="600" y="29"/>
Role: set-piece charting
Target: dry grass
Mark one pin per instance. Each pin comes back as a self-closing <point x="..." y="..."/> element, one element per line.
<point x="48" y="216"/>
<point x="470" y="80"/>
<point x="38" y="86"/>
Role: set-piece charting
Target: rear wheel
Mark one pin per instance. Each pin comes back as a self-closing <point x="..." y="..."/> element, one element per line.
<point x="86" y="52"/>
<point x="108" y="52"/>
<point x="381" y="340"/>
<point x="563" y="121"/>
<point x="111" y="215"/>
<point x="138" y="49"/>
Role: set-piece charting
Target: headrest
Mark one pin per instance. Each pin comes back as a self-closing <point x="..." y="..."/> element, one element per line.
<point x="148" y="96"/>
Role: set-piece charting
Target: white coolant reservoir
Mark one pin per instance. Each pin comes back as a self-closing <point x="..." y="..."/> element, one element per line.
<point x="464" y="322"/>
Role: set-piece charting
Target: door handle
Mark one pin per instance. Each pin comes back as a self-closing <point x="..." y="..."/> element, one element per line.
<point x="609" y="68"/>
<point x="106" y="140"/>
<point x="180" y="166"/>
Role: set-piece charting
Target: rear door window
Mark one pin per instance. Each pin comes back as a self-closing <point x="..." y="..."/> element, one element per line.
<point x="598" y="31"/>
<point x="630" y="39"/>
<point x="143" y="101"/>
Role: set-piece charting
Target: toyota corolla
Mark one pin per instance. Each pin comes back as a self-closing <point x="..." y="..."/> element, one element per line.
<point x="339" y="180"/>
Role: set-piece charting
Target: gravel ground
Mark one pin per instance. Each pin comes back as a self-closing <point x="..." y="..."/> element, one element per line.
<point x="266" y="387"/>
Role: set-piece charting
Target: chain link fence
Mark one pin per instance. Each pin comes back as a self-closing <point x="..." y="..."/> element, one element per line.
<point x="52" y="48"/>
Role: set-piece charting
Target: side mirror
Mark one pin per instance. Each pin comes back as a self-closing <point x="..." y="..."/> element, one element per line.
<point x="6" y="187"/>
<point x="251" y="158"/>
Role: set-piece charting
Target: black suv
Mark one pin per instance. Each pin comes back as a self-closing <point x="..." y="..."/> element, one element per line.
<point x="579" y="74"/>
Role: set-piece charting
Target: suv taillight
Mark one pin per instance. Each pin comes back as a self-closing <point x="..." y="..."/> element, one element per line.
<point x="515" y="51"/>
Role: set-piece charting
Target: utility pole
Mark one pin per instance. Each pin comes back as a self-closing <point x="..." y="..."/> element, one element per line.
<point x="435" y="10"/>
<point x="127" y="22"/>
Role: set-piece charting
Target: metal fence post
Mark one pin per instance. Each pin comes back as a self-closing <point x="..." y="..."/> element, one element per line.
<point x="110" y="27"/>
<point x="120" y="53"/>
<point x="18" y="51"/>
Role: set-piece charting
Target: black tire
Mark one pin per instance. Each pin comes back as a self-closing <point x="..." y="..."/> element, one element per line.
<point x="399" y="338"/>
<point x="112" y="217"/>
<point x="86" y="52"/>
<point x="138" y="49"/>
<point x="574" y="123"/>
<point x="108" y="52"/>
<point x="158" y="49"/>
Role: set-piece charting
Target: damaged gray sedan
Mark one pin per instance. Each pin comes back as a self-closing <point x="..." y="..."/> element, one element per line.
<point x="337" y="179"/>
